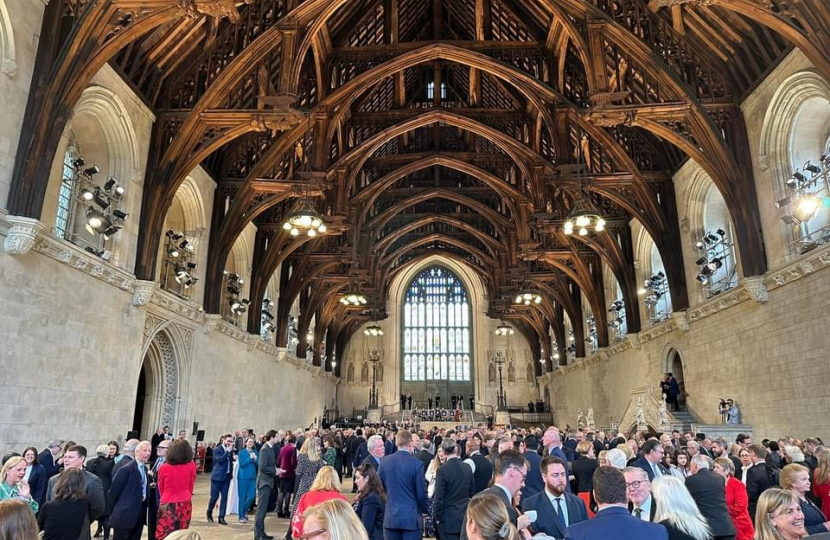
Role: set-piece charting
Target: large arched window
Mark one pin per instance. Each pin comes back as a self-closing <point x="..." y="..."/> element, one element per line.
<point x="436" y="328"/>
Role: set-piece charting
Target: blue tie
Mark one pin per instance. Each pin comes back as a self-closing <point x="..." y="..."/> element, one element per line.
<point x="143" y="473"/>
<point x="559" y="513"/>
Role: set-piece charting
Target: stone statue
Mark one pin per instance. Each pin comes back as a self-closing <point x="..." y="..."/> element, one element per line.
<point x="590" y="418"/>
<point x="663" y="416"/>
<point x="640" y="415"/>
<point x="580" y="419"/>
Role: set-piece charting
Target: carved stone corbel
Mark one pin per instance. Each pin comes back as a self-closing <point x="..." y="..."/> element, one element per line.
<point x="143" y="292"/>
<point x="681" y="319"/>
<point x="211" y="323"/>
<point x="756" y="289"/>
<point x="22" y="234"/>
<point x="635" y="341"/>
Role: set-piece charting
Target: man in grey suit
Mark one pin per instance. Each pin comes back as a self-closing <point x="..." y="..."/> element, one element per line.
<point x="265" y="483"/>
<point x="74" y="459"/>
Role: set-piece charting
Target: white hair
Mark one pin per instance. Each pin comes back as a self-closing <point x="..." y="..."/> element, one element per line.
<point x="794" y="453"/>
<point x="374" y="440"/>
<point x="702" y="462"/>
<point x="676" y="505"/>
<point x="616" y="458"/>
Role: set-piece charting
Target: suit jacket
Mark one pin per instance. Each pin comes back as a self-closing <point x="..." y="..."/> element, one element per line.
<point x="739" y="467"/>
<point x="644" y="464"/>
<point x="38" y="483"/>
<point x="651" y="511"/>
<point x="583" y="470"/>
<point x="483" y="473"/>
<point x="533" y="483"/>
<point x="361" y="452"/>
<point x="615" y="522"/>
<point x="221" y="461"/>
<point x="128" y="505"/>
<point x="757" y="481"/>
<point x="267" y="467"/>
<point x="546" y="521"/>
<point x="123" y="462"/>
<point x="370" y="511"/>
<point x="402" y="475"/>
<point x="94" y="494"/>
<point x="370" y="459"/>
<point x="425" y="458"/>
<point x="454" y="485"/>
<point x="709" y="492"/>
<point x="569" y="449"/>
<point x="50" y="468"/>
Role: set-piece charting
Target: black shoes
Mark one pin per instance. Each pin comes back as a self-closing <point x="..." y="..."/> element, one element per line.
<point x="210" y="517"/>
<point x="222" y="521"/>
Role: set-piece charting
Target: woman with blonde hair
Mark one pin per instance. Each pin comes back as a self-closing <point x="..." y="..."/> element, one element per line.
<point x="677" y="511"/>
<point x="778" y="516"/>
<point x="332" y="520"/>
<point x="583" y="471"/>
<point x="309" y="463"/>
<point x="629" y="453"/>
<point x="821" y="477"/>
<point x="326" y="486"/>
<point x="17" y="522"/>
<point x="487" y="519"/>
<point x="796" y="478"/>
<point x="430" y="475"/>
<point x="12" y="484"/>
<point x="188" y="534"/>
<point x="737" y="500"/>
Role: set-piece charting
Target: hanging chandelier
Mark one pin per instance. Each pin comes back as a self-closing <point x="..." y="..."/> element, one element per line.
<point x="504" y="330"/>
<point x="373" y="330"/>
<point x="305" y="219"/>
<point x="353" y="298"/>
<point x="528" y="297"/>
<point x="584" y="217"/>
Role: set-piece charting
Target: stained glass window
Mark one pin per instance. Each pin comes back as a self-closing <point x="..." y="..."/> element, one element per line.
<point x="438" y="324"/>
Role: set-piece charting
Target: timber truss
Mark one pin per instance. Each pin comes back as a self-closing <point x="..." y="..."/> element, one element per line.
<point x="429" y="126"/>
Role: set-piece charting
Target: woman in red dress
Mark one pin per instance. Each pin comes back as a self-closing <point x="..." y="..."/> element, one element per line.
<point x="737" y="500"/>
<point x="821" y="479"/>
<point x="326" y="486"/>
<point x="176" y="478"/>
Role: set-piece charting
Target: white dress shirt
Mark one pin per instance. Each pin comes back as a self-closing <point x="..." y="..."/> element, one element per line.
<point x="645" y="515"/>
<point x="553" y="499"/>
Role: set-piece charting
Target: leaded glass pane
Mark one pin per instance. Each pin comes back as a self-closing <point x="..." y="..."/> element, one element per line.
<point x="407" y="340"/>
<point x="407" y="368"/>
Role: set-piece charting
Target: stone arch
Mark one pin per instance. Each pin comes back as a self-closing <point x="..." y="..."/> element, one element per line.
<point x="187" y="215"/>
<point x="648" y="262"/>
<point x="8" y="58"/>
<point x="165" y="360"/>
<point x="802" y="91"/>
<point x="673" y="363"/>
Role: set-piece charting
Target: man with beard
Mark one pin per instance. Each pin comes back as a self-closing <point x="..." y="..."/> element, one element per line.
<point x="555" y="509"/>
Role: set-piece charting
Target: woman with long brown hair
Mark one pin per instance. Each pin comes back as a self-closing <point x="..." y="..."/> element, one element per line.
<point x="370" y="502"/>
<point x="17" y="522"/>
<point x="63" y="517"/>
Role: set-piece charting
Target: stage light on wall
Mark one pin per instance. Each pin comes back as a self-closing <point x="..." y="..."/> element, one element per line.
<point x="715" y="252"/>
<point x="655" y="293"/>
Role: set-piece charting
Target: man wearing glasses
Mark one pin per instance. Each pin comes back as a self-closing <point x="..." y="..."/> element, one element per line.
<point x="640" y="502"/>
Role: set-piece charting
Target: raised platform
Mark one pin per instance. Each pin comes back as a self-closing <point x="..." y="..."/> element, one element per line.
<point x="727" y="431"/>
<point x="428" y="424"/>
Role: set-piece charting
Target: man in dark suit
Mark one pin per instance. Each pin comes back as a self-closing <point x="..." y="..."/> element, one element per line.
<point x="220" y="478"/>
<point x="454" y="485"/>
<point x="552" y="443"/>
<point x="613" y="520"/>
<point x="652" y="459"/>
<point x="74" y="459"/>
<point x="128" y="496"/>
<point x="481" y="466"/>
<point x="555" y="509"/>
<point x="640" y="502"/>
<point x="534" y="482"/>
<point x="377" y="449"/>
<point x="127" y="455"/>
<point x="709" y="492"/>
<point x="424" y="454"/>
<point x="49" y="458"/>
<point x="265" y="483"/>
<point x="357" y="452"/>
<point x="402" y="475"/>
<point x="759" y="477"/>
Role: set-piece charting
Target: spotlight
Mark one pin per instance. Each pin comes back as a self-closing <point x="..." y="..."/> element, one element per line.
<point x="78" y="162"/>
<point x="120" y="215"/>
<point x="113" y="185"/>
<point x="192" y="265"/>
<point x="103" y="253"/>
<point x="721" y="233"/>
<point x="711" y="238"/>
<point x="702" y="278"/>
<point x="806" y="207"/>
<point x="173" y="235"/>
<point x="269" y="327"/>
<point x="715" y="264"/>
<point x="100" y="199"/>
<point x="87" y="194"/>
<point x="186" y="244"/>
<point x="701" y="261"/>
<point x="699" y="244"/>
<point x="784" y="202"/>
<point x="111" y="230"/>
<point x="91" y="171"/>
<point x="173" y="252"/>
<point x="94" y="218"/>
<point x="790" y="219"/>
<point x="814" y="169"/>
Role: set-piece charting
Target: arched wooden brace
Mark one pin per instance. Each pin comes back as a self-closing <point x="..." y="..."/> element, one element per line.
<point x="290" y="287"/>
<point x="558" y="290"/>
<point x="305" y="282"/>
<point x="620" y="259"/>
<point x="384" y="244"/>
<point x="539" y="323"/>
<point x="62" y="72"/>
<point x="438" y="237"/>
<point x="530" y="326"/>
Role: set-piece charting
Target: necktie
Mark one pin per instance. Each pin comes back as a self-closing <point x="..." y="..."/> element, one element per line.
<point x="143" y="472"/>
<point x="638" y="512"/>
<point x="559" y="513"/>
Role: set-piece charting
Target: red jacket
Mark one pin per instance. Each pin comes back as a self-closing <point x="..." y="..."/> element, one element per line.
<point x="737" y="503"/>
<point x="311" y="498"/>
<point x="175" y="482"/>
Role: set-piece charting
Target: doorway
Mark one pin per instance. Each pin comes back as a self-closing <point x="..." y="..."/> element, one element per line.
<point x="675" y="367"/>
<point x="140" y="400"/>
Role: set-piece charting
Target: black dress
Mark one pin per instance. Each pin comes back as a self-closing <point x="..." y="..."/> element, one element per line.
<point x="675" y="533"/>
<point x="61" y="519"/>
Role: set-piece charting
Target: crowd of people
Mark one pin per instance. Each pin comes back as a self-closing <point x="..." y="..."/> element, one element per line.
<point x="472" y="483"/>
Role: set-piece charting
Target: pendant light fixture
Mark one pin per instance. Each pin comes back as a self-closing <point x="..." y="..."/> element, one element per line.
<point x="584" y="216"/>
<point x="304" y="219"/>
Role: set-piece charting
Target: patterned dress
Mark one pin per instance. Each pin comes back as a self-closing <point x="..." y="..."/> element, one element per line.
<point x="306" y="473"/>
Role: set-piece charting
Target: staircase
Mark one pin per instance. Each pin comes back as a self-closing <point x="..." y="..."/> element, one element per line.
<point x="683" y="420"/>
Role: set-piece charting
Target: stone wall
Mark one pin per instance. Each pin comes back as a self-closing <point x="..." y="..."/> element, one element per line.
<point x="73" y="347"/>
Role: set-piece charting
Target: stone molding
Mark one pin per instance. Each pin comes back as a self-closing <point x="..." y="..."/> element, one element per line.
<point x="22" y="235"/>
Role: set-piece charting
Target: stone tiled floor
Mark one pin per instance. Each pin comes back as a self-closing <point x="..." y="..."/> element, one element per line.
<point x="234" y="530"/>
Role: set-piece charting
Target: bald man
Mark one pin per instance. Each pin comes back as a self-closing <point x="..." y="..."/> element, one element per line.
<point x="128" y="496"/>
